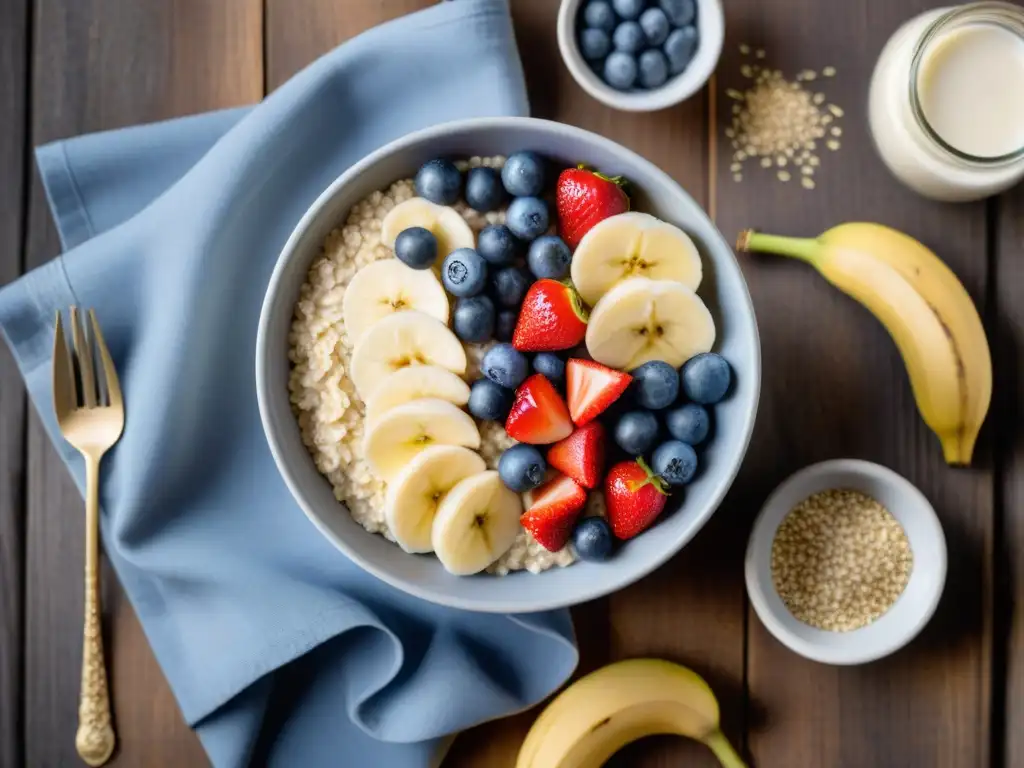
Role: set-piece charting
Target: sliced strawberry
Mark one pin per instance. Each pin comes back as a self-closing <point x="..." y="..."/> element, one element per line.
<point x="552" y="318"/>
<point x="553" y="511"/>
<point x="583" y="198"/>
<point x="538" y="415"/>
<point x="581" y="454"/>
<point x="591" y="388"/>
<point x="634" y="497"/>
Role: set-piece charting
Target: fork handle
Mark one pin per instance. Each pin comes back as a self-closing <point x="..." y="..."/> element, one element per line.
<point x="95" y="737"/>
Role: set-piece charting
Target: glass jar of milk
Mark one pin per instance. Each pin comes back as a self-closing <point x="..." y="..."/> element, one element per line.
<point x="947" y="101"/>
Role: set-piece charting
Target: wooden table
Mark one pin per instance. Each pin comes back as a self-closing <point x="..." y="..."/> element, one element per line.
<point x="833" y="386"/>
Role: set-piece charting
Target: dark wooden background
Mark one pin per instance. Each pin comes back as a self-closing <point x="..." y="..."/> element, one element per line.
<point x="833" y="386"/>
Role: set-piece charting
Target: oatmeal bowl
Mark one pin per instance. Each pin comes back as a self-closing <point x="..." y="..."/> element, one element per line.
<point x="507" y="365"/>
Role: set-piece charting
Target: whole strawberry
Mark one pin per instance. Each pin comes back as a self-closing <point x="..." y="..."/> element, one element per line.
<point x="552" y="318"/>
<point x="634" y="497"/>
<point x="583" y="198"/>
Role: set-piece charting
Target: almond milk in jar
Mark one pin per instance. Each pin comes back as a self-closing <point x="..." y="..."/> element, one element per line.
<point x="946" y="106"/>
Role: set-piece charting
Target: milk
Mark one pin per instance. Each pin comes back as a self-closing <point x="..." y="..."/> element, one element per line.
<point x="951" y="126"/>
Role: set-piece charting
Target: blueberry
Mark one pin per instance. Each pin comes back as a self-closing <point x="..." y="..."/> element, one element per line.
<point x="489" y="401"/>
<point x="653" y="69"/>
<point x="484" y="191"/>
<point x="527" y="217"/>
<point x="416" y="247"/>
<point x="636" y="432"/>
<point x="599" y="15"/>
<point x="522" y="468"/>
<point x="629" y="37"/>
<point x="464" y="273"/>
<point x="506" y="324"/>
<point x="655" y="385"/>
<point x="551" y="365"/>
<point x="620" y="70"/>
<point x="549" y="256"/>
<point x="679" y="48"/>
<point x="655" y="25"/>
<point x="509" y="286"/>
<point x="594" y="44"/>
<point x="675" y="462"/>
<point x="592" y="539"/>
<point x="628" y="9"/>
<point x="505" y="365"/>
<point x="523" y="174"/>
<point x="689" y="423"/>
<point x="439" y="181"/>
<point x="498" y="245"/>
<point x="706" y="378"/>
<point x="473" y="319"/>
<point x="679" y="12"/>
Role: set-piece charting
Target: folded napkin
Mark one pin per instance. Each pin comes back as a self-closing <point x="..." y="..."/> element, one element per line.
<point x="278" y="649"/>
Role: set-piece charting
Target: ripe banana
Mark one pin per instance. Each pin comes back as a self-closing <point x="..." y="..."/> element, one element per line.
<point x="450" y="229"/>
<point x="633" y="245"/>
<point x="475" y="523"/>
<point x="600" y="713"/>
<point x="642" y="319"/>
<point x="415" y="382"/>
<point x="926" y="310"/>
<point x="384" y="287"/>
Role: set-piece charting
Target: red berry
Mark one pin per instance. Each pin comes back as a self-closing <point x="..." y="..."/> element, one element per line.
<point x="552" y="318"/>
<point x="581" y="454"/>
<point x="591" y="387"/>
<point x="634" y="497"/>
<point x="583" y="198"/>
<point x="538" y="415"/>
<point x="553" y="510"/>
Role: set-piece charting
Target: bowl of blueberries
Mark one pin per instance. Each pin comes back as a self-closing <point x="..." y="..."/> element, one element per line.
<point x="641" y="55"/>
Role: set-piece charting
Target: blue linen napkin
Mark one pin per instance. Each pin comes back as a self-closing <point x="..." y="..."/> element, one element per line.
<point x="275" y="645"/>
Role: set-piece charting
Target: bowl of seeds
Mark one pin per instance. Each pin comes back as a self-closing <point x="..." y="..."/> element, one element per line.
<point x="846" y="562"/>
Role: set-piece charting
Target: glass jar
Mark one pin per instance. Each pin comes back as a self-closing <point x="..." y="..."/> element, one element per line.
<point x="946" y="106"/>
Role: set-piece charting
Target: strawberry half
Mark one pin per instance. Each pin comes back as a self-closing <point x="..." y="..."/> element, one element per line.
<point x="553" y="511"/>
<point x="634" y="496"/>
<point x="583" y="198"/>
<point x="552" y="318"/>
<point x="538" y="414"/>
<point x="591" y="387"/>
<point x="581" y="454"/>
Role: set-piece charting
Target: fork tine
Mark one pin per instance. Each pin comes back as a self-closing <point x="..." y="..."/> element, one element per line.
<point x="64" y="385"/>
<point x="109" y="371"/>
<point x="84" y="355"/>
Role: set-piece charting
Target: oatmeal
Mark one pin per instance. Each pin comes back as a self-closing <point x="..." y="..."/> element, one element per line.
<point x="330" y="411"/>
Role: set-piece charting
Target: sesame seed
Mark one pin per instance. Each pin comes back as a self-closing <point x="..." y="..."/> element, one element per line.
<point x="839" y="558"/>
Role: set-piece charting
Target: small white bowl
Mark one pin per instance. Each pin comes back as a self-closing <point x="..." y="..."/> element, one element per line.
<point x="911" y="611"/>
<point x="710" y="25"/>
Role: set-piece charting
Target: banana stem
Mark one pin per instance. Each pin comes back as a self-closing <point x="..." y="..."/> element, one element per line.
<point x="723" y="751"/>
<point x="804" y="248"/>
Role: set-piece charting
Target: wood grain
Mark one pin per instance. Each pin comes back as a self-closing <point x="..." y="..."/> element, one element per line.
<point x="1008" y="333"/>
<point x="835" y="386"/>
<point x="14" y="58"/>
<point x="184" y="56"/>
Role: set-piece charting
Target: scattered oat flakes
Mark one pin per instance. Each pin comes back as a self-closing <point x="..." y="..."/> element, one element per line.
<point x="783" y="175"/>
<point x="744" y="49"/>
<point x="836" y="131"/>
<point x="832" y="144"/>
<point x="829" y="72"/>
<point x="759" y="53"/>
<point x="737" y="177"/>
<point x="837" y="111"/>
<point x="807" y="182"/>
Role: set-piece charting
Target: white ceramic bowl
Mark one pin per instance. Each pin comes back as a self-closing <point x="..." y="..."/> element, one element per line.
<point x="710" y="25"/>
<point x="911" y="611"/>
<point x="723" y="290"/>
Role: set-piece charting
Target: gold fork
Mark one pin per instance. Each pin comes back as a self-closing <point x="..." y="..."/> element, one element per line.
<point x="90" y="414"/>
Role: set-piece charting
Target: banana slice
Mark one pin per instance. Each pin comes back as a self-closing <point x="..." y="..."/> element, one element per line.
<point x="387" y="286"/>
<point x="400" y="340"/>
<point x="475" y="524"/>
<point x="414" y="383"/>
<point x="633" y="245"/>
<point x="405" y="431"/>
<point x="416" y="491"/>
<point x="450" y="229"/>
<point x="642" y="319"/>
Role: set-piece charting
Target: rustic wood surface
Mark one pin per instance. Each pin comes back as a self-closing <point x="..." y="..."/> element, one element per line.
<point x="833" y="386"/>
